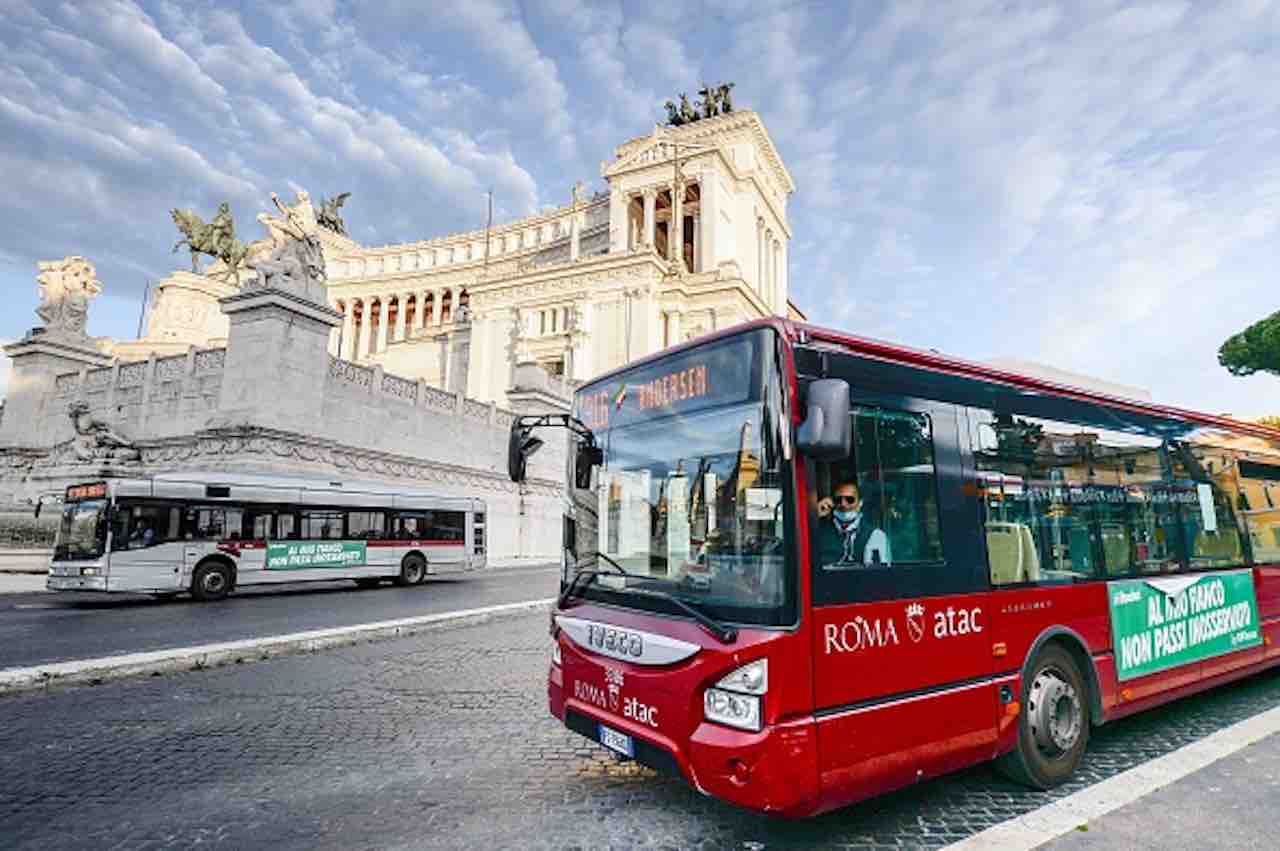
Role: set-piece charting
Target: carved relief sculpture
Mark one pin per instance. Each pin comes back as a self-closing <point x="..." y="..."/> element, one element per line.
<point x="97" y="441"/>
<point x="66" y="287"/>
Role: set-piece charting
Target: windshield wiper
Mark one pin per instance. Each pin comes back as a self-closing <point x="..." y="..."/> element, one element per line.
<point x="723" y="634"/>
<point x="589" y="575"/>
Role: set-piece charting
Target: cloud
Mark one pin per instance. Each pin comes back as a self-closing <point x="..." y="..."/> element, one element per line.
<point x="1092" y="185"/>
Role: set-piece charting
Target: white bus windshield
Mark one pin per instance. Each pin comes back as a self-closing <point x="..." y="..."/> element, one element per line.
<point x="82" y="534"/>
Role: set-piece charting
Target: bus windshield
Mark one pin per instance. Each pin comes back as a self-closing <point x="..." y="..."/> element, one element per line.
<point x="83" y="532"/>
<point x="691" y="498"/>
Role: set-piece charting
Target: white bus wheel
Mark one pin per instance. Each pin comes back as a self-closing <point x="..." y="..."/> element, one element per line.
<point x="413" y="570"/>
<point x="211" y="581"/>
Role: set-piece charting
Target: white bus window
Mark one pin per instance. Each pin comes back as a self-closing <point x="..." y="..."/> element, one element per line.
<point x="139" y="526"/>
<point x="286" y="527"/>
<point x="365" y="524"/>
<point x="409" y="526"/>
<point x="322" y="525"/>
<point x="259" y="525"/>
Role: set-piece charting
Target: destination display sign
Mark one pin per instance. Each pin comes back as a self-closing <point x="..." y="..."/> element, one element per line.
<point x="722" y="373"/>
<point x="299" y="555"/>
<point x="97" y="490"/>
<point x="1166" y="622"/>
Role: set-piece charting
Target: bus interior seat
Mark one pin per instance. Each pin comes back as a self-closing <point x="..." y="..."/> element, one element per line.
<point x="1004" y="553"/>
<point x="1030" y="556"/>
<point x="1115" y="549"/>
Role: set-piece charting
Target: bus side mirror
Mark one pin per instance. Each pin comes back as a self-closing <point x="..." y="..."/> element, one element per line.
<point x="520" y="445"/>
<point x="827" y="431"/>
<point x="587" y="457"/>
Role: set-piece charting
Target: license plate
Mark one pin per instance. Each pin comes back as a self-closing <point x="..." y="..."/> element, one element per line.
<point x="615" y="741"/>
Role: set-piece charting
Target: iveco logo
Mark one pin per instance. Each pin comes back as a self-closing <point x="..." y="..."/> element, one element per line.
<point x="615" y="641"/>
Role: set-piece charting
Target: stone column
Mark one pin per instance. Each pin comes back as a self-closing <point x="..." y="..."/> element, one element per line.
<point x="675" y="233"/>
<point x="402" y="315"/>
<point x="384" y="316"/>
<point x="437" y="315"/>
<point x="766" y="288"/>
<point x="575" y="237"/>
<point x="348" y="330"/>
<point x="760" y="256"/>
<point x="697" y="242"/>
<point x="617" y="220"/>
<point x="421" y="319"/>
<point x="650" y="206"/>
<point x="709" y="221"/>
<point x="673" y="328"/>
<point x="366" y="329"/>
<point x="276" y="370"/>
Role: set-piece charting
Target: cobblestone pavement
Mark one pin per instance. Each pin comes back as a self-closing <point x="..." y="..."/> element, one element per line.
<point x="54" y="627"/>
<point x="439" y="741"/>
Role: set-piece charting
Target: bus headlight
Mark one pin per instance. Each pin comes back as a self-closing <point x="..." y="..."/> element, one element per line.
<point x="736" y="699"/>
<point x="555" y="653"/>
<point x="88" y="571"/>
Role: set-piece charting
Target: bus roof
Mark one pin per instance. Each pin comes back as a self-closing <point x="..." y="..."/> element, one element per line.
<point x="255" y="486"/>
<point x="799" y="332"/>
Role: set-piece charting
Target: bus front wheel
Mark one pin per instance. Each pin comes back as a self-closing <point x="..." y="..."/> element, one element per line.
<point x="211" y="581"/>
<point x="413" y="571"/>
<point x="1053" y="727"/>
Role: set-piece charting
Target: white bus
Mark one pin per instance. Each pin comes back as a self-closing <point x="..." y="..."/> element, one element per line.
<point x="208" y="533"/>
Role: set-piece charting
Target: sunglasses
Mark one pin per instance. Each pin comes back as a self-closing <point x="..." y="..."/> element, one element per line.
<point x="845" y="500"/>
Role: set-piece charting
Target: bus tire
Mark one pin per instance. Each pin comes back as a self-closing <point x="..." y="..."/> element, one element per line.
<point x="413" y="570"/>
<point x="368" y="582"/>
<point x="212" y="580"/>
<point x="1053" y="726"/>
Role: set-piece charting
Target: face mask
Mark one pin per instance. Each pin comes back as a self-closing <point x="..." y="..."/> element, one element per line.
<point x="846" y="516"/>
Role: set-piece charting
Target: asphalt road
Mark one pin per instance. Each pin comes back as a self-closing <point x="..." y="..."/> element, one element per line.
<point x="442" y="741"/>
<point x="56" y="627"/>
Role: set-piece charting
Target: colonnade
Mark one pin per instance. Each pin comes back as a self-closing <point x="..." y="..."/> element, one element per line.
<point x="770" y="265"/>
<point x="370" y="323"/>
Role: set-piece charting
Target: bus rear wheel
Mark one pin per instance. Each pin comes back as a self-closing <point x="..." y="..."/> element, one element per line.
<point x="211" y="581"/>
<point x="413" y="571"/>
<point x="1053" y="727"/>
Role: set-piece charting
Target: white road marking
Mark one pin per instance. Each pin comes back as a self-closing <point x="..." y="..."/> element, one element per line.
<point x="1066" y="814"/>
<point x="246" y="650"/>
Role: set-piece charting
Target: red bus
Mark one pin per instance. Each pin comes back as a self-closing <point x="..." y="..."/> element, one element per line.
<point x="802" y="568"/>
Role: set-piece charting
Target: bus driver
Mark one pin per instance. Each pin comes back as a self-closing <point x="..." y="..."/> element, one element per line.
<point x="845" y="533"/>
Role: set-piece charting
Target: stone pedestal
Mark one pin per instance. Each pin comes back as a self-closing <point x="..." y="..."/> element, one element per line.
<point x="37" y="361"/>
<point x="277" y="360"/>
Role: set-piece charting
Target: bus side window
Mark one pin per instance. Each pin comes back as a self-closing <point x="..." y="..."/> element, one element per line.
<point x="1071" y="501"/>
<point x="286" y="526"/>
<point x="874" y="515"/>
<point x="366" y="524"/>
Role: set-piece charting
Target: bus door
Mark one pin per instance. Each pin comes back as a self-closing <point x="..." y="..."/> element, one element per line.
<point x="903" y="671"/>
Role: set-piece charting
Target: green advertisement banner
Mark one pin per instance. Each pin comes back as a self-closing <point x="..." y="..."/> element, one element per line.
<point x="1161" y="623"/>
<point x="304" y="554"/>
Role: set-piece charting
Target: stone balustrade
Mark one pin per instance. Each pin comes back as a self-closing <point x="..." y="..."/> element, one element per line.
<point x="147" y="399"/>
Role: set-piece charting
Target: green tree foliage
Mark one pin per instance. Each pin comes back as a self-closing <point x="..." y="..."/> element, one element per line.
<point x="1255" y="349"/>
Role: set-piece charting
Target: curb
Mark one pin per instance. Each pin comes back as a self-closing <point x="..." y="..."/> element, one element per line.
<point x="198" y="658"/>
<point x="1061" y="817"/>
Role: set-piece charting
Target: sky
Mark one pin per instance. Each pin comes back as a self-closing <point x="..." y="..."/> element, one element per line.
<point x="1092" y="185"/>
